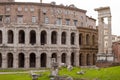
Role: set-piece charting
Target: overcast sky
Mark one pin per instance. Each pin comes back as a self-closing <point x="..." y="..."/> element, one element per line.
<point x="90" y="5"/>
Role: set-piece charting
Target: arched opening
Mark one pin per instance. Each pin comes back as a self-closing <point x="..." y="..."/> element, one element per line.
<point x="63" y="60"/>
<point x="54" y="55"/>
<point x="72" y="59"/>
<point x="87" y="39"/>
<point x="32" y="37"/>
<point x="72" y="38"/>
<point x="0" y="37"/>
<point x="88" y="59"/>
<point x="43" y="59"/>
<point x="54" y="37"/>
<point x="21" y="59"/>
<point x="0" y="60"/>
<point x="43" y="37"/>
<point x="93" y="39"/>
<point x="21" y="36"/>
<point x="63" y="38"/>
<point x="32" y="60"/>
<point x="80" y="59"/>
<point x="10" y="60"/>
<point x="10" y="36"/>
<point x="94" y="59"/>
<point x="80" y="39"/>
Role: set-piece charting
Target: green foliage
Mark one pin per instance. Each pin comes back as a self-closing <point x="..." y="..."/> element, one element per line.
<point x="111" y="73"/>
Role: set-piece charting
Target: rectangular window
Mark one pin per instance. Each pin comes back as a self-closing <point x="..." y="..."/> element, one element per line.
<point x="7" y="19"/>
<point x="67" y="21"/>
<point x="59" y="21"/>
<point x="1" y="17"/>
<point x="33" y="19"/>
<point x="46" y="20"/>
<point x="19" y="19"/>
<point x="75" y="22"/>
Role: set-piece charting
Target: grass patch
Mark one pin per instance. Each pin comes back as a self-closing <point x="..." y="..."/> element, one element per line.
<point x="111" y="73"/>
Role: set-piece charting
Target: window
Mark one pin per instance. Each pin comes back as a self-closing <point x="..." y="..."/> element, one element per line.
<point x="67" y="21"/>
<point x="19" y="9"/>
<point x="19" y="19"/>
<point x="46" y="20"/>
<point x="26" y="9"/>
<point x="7" y="19"/>
<point x="81" y="24"/>
<point x="59" y="21"/>
<point x="33" y="19"/>
<point x="7" y="8"/>
<point x="32" y="9"/>
<point x="75" y="22"/>
<point x="1" y="18"/>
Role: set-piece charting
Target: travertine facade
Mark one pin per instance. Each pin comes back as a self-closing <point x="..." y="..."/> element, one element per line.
<point x="33" y="33"/>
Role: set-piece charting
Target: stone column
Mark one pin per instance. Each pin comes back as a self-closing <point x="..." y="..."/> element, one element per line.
<point x="48" y="61"/>
<point x="68" y="59"/>
<point x="68" y="38"/>
<point x="38" y="61"/>
<point x="59" y="60"/>
<point x="27" y="64"/>
<point x="4" y="40"/>
<point x="77" y="39"/>
<point x="4" y="60"/>
<point x="109" y="36"/>
<point x="16" y="35"/>
<point x="38" y="37"/>
<point x="49" y="37"/>
<point x="27" y="37"/>
<point x="15" y="60"/>
<point x="77" y="58"/>
<point x="59" y="38"/>
<point x="100" y="36"/>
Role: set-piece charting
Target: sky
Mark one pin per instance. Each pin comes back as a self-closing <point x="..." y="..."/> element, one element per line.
<point x="90" y="5"/>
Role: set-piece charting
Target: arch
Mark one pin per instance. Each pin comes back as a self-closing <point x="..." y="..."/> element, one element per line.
<point x="10" y="60"/>
<point x="87" y="39"/>
<point x="21" y="60"/>
<point x="63" y="56"/>
<point x="21" y="36"/>
<point x="1" y="37"/>
<point x="43" y="60"/>
<point x="94" y="59"/>
<point x="54" y="37"/>
<point x="32" y="37"/>
<point x="54" y="55"/>
<point x="80" y="39"/>
<point x="88" y="59"/>
<point x="43" y="37"/>
<point x="0" y="60"/>
<point x="32" y="60"/>
<point x="93" y="39"/>
<point x="72" y="38"/>
<point x="72" y="59"/>
<point x="81" y="59"/>
<point x="63" y="38"/>
<point x="10" y="36"/>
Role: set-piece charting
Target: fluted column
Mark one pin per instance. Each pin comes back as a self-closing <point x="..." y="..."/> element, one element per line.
<point x="109" y="36"/>
<point x="100" y="36"/>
